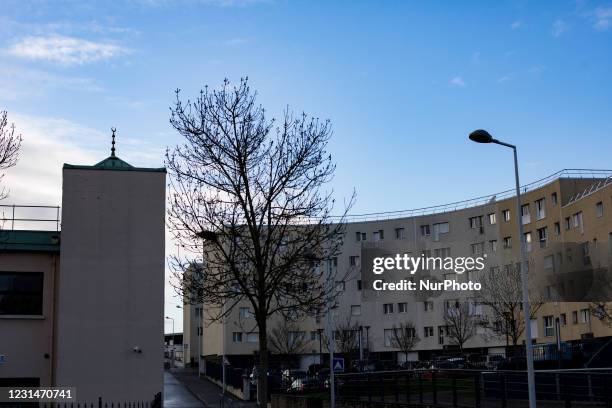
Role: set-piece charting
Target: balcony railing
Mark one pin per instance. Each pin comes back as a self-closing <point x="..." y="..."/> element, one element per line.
<point x="602" y="178"/>
<point x="29" y="217"/>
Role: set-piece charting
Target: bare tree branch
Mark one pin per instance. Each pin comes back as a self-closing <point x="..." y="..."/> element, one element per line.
<point x="10" y="143"/>
<point x="247" y="206"/>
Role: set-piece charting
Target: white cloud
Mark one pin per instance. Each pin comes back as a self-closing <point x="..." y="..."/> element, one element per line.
<point x="457" y="81"/>
<point x="235" y="41"/>
<point x="64" y="50"/>
<point x="559" y="27"/>
<point x="504" y="78"/>
<point x="47" y="144"/>
<point x="19" y="82"/>
<point x="603" y="18"/>
<point x="516" y="25"/>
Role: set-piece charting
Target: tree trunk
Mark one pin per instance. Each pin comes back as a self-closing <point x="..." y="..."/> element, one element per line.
<point x="262" y="371"/>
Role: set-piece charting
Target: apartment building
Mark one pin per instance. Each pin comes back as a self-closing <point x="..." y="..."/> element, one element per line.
<point x="81" y="295"/>
<point x="568" y="212"/>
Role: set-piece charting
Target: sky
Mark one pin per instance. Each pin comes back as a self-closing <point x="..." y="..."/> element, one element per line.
<point x="403" y="83"/>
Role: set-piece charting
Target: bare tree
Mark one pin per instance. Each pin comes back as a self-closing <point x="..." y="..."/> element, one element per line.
<point x="501" y="293"/>
<point x="10" y="143"/>
<point x="247" y="196"/>
<point x="460" y="323"/>
<point x="346" y="336"/>
<point x="287" y="338"/>
<point x="405" y="337"/>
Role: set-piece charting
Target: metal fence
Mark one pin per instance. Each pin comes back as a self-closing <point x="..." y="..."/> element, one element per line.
<point x="233" y="376"/>
<point x="474" y="388"/>
<point x="30" y="217"/>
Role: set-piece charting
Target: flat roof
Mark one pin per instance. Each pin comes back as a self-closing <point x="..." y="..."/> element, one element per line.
<point x="32" y="241"/>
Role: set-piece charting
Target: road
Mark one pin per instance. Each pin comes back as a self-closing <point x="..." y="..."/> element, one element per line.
<point x="177" y="395"/>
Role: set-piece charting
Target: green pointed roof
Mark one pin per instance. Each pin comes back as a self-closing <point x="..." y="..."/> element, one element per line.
<point x="112" y="162"/>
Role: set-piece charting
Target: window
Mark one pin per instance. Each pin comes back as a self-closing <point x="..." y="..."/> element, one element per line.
<point x="237" y="337"/>
<point x="492" y="219"/>
<point x="567" y="223"/>
<point x="478" y="248"/>
<point x="313" y="335"/>
<point x="543" y="237"/>
<point x="577" y="221"/>
<point x="442" y="252"/>
<point x="354" y="260"/>
<point x="563" y="319"/>
<point x="575" y="317"/>
<point x="244" y="313"/>
<point x="332" y="264"/>
<point x="428" y="331"/>
<point x="450" y="276"/>
<point x="440" y="334"/>
<point x="506" y="215"/>
<point x="476" y="222"/>
<point x="356" y="310"/>
<point x="549" y="262"/>
<point x="474" y="307"/>
<point x="252" y="337"/>
<point x="402" y="307"/>
<point x="440" y="228"/>
<point x="528" y="241"/>
<point x="400" y="233"/>
<point x="428" y="305"/>
<point x="586" y="253"/>
<point x="425" y="230"/>
<point x="359" y="284"/>
<point x="340" y="286"/>
<point x="584" y="316"/>
<point x="599" y="209"/>
<point x="378" y="235"/>
<point x="21" y="293"/>
<point x="549" y="329"/>
<point x="493" y="244"/>
<point x="388" y="308"/>
<point x="360" y="236"/>
<point x="557" y="229"/>
<point x="525" y="215"/>
<point x="507" y="242"/>
<point x="388" y="336"/>
<point x="540" y="208"/>
<point x="553" y="198"/>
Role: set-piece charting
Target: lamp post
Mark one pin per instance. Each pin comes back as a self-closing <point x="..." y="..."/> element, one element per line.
<point x="482" y="136"/>
<point x="170" y="318"/>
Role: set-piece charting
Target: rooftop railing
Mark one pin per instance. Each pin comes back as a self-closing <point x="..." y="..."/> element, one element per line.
<point x="29" y="217"/>
<point x="595" y="174"/>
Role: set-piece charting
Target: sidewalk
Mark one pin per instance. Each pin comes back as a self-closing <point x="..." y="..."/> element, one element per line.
<point x="204" y="390"/>
<point x="176" y="395"/>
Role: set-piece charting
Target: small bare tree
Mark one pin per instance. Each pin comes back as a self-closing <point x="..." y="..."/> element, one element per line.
<point x="346" y="336"/>
<point x="501" y="293"/>
<point x="247" y="203"/>
<point x="10" y="143"/>
<point x="460" y="323"/>
<point x="405" y="337"/>
<point x="287" y="338"/>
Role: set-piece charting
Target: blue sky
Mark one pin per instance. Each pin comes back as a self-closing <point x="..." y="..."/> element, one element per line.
<point x="402" y="82"/>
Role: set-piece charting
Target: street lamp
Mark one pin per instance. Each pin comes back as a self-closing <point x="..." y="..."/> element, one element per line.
<point x="482" y="136"/>
<point x="170" y="318"/>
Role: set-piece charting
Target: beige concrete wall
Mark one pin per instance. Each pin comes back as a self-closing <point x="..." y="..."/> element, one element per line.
<point x="111" y="284"/>
<point x="25" y="340"/>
